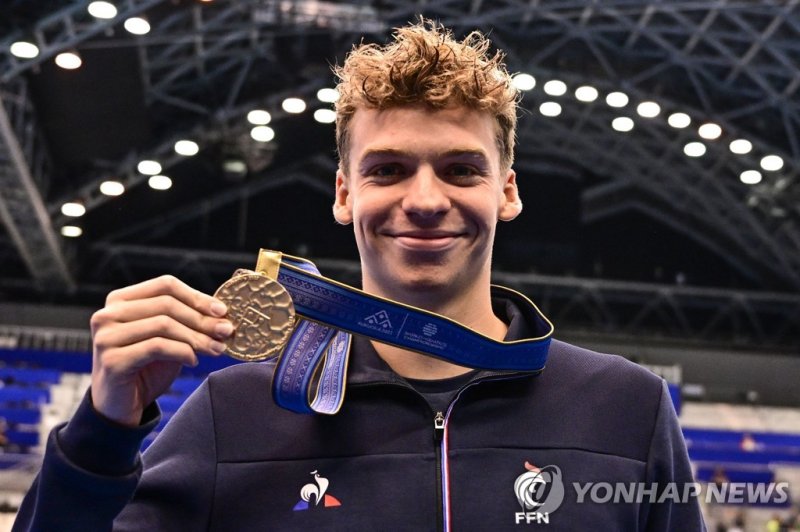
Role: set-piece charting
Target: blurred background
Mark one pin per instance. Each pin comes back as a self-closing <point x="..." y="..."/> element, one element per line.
<point x="658" y="156"/>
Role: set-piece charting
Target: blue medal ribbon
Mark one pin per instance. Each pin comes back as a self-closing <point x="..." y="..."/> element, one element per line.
<point x="310" y="374"/>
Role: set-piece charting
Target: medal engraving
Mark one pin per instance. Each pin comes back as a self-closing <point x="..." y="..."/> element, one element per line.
<point x="262" y="312"/>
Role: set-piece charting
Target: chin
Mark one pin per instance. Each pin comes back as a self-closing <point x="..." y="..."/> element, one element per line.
<point x="424" y="284"/>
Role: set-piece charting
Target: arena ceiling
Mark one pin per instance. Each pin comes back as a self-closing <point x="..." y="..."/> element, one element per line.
<point x="600" y="204"/>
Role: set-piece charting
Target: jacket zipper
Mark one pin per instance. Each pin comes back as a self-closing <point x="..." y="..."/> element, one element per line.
<point x="439" y="422"/>
<point x="440" y="429"/>
<point x="438" y="438"/>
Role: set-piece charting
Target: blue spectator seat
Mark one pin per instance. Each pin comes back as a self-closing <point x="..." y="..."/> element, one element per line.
<point x="12" y="375"/>
<point x="20" y="394"/>
<point x="25" y="416"/>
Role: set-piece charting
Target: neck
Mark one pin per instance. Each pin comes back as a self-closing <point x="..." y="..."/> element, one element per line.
<point x="473" y="311"/>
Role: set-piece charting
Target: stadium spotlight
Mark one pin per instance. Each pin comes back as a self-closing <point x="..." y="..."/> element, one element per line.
<point x="259" y="117"/>
<point x="24" y="50"/>
<point x="69" y="60"/>
<point x="137" y="26"/>
<point x="325" y="116"/>
<point x="648" y="109"/>
<point x="327" y="95"/>
<point x="293" y="105"/>
<point x="622" y="124"/>
<point x="679" y="120"/>
<point x="771" y="163"/>
<point x="709" y="131"/>
<point x="695" y="149"/>
<point x="187" y="148"/>
<point x="73" y="209"/>
<point x="159" y="182"/>
<point x="71" y="231"/>
<point x="262" y="133"/>
<point x="149" y="167"/>
<point x="617" y="99"/>
<point x="586" y="93"/>
<point x="523" y="82"/>
<point x="102" y="10"/>
<point x="550" y="109"/>
<point x="741" y="146"/>
<point x="112" y="188"/>
<point x="555" y="87"/>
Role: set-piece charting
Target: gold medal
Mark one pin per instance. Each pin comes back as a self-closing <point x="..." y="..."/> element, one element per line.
<point x="262" y="312"/>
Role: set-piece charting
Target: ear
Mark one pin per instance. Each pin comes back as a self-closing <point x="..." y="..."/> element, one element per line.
<point x="342" y="209"/>
<point x="511" y="204"/>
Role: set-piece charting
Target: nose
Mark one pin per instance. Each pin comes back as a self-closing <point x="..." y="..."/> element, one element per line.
<point x="426" y="195"/>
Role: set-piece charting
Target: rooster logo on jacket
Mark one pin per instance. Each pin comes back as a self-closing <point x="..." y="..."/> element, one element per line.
<point x="314" y="493"/>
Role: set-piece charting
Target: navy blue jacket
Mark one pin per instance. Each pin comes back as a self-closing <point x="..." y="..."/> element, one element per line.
<point x="230" y="459"/>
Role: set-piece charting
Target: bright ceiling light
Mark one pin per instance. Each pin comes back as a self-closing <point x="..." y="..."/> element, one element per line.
<point x="71" y="231"/>
<point x="750" y="177"/>
<point x="234" y="168"/>
<point x="648" y="109"/>
<point x="622" y="123"/>
<point x="679" y="120"/>
<point x="523" y="81"/>
<point x="186" y="148"/>
<point x="259" y="117"/>
<point x="68" y="60"/>
<point x="586" y="93"/>
<point x="695" y="149"/>
<point x="137" y="26"/>
<point x="149" y="167"/>
<point x="741" y="146"/>
<point x="617" y="99"/>
<point x="73" y="209"/>
<point x="327" y="95"/>
<point x="293" y="105"/>
<point x="325" y="116"/>
<point x="771" y="163"/>
<point x="159" y="182"/>
<point x="262" y="133"/>
<point x="103" y="10"/>
<point x="24" y="49"/>
<point x="555" y="87"/>
<point x="709" y="131"/>
<point x="112" y="188"/>
<point x="550" y="109"/>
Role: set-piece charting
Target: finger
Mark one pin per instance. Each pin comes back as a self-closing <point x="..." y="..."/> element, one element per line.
<point x="165" y="305"/>
<point x="162" y="326"/>
<point x="131" y="358"/>
<point x="169" y="285"/>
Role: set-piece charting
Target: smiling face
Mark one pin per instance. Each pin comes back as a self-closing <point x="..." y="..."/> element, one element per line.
<point x="424" y="190"/>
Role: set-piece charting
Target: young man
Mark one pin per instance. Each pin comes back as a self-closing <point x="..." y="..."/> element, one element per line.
<point x="425" y="133"/>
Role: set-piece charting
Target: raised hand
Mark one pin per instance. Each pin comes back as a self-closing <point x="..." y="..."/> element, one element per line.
<point x="143" y="336"/>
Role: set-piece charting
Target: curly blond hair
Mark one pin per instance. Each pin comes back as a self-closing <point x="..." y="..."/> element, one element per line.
<point x="425" y="64"/>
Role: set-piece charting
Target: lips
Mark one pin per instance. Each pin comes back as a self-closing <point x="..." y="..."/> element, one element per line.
<point x="426" y="240"/>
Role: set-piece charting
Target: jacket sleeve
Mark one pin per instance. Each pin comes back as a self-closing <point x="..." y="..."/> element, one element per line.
<point x="89" y="472"/>
<point x="177" y="487"/>
<point x="93" y="477"/>
<point x="668" y="462"/>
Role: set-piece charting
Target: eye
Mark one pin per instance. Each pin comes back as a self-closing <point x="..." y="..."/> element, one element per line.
<point x="386" y="171"/>
<point x="462" y="173"/>
<point x="462" y="170"/>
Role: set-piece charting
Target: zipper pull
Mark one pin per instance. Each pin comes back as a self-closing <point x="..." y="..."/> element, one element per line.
<point x="438" y="426"/>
